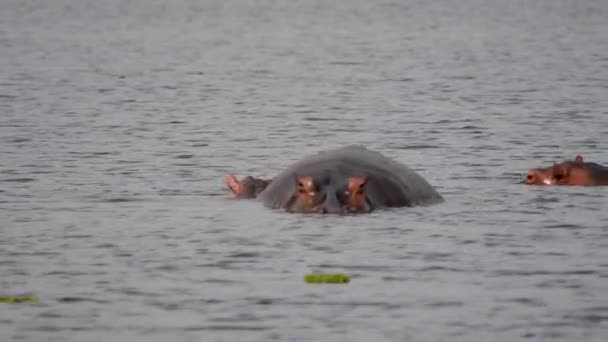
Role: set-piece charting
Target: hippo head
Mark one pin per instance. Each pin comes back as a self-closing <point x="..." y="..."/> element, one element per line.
<point x="248" y="187"/>
<point x="540" y="176"/>
<point x="566" y="173"/>
<point x="313" y="195"/>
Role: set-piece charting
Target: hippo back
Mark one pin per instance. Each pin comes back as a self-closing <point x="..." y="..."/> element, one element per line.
<point x="391" y="184"/>
<point x="598" y="174"/>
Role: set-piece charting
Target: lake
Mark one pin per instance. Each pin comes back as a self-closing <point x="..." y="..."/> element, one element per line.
<point x="119" y="118"/>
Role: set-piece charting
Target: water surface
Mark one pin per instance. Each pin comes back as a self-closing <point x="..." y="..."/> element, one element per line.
<point x="118" y="119"/>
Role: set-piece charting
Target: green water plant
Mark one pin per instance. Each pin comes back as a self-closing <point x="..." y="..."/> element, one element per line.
<point x="19" y="299"/>
<point x="324" y="278"/>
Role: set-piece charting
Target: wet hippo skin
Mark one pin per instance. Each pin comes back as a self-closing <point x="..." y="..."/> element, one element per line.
<point x="346" y="180"/>
<point x="575" y="172"/>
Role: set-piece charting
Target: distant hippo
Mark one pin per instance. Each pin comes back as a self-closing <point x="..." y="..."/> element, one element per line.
<point x="347" y="180"/>
<point x="248" y="187"/>
<point x="576" y="172"/>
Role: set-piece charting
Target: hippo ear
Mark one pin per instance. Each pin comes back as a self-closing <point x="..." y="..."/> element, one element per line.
<point x="305" y="184"/>
<point x="578" y="159"/>
<point x="356" y="185"/>
<point x="233" y="183"/>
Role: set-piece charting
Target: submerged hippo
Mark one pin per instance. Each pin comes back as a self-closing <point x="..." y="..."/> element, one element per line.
<point x="576" y="172"/>
<point x="248" y="187"/>
<point x="351" y="179"/>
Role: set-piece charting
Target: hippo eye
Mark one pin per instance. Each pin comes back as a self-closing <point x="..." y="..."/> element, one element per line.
<point x="558" y="176"/>
<point x="529" y="177"/>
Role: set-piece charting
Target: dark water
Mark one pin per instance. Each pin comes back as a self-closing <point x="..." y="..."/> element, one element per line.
<point x="118" y="119"/>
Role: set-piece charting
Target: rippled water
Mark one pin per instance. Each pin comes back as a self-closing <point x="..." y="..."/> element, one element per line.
<point x="118" y="119"/>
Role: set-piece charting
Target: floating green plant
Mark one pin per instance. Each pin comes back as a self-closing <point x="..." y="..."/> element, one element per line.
<point x="19" y="299"/>
<point x="319" y="278"/>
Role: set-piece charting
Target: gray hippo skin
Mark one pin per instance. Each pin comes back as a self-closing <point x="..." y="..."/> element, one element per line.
<point x="347" y="180"/>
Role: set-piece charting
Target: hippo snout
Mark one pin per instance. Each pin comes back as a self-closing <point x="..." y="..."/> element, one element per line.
<point x="539" y="177"/>
<point x="331" y="204"/>
<point x="329" y="209"/>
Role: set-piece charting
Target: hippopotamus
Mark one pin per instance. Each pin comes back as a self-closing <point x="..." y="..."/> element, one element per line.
<point x="248" y="187"/>
<point x="576" y="172"/>
<point x="346" y="180"/>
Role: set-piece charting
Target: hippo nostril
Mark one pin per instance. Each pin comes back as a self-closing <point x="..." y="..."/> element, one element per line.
<point x="530" y="178"/>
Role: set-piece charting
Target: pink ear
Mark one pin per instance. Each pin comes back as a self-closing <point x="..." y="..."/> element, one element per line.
<point x="232" y="182"/>
<point x="578" y="159"/>
<point x="306" y="184"/>
<point x="356" y="184"/>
